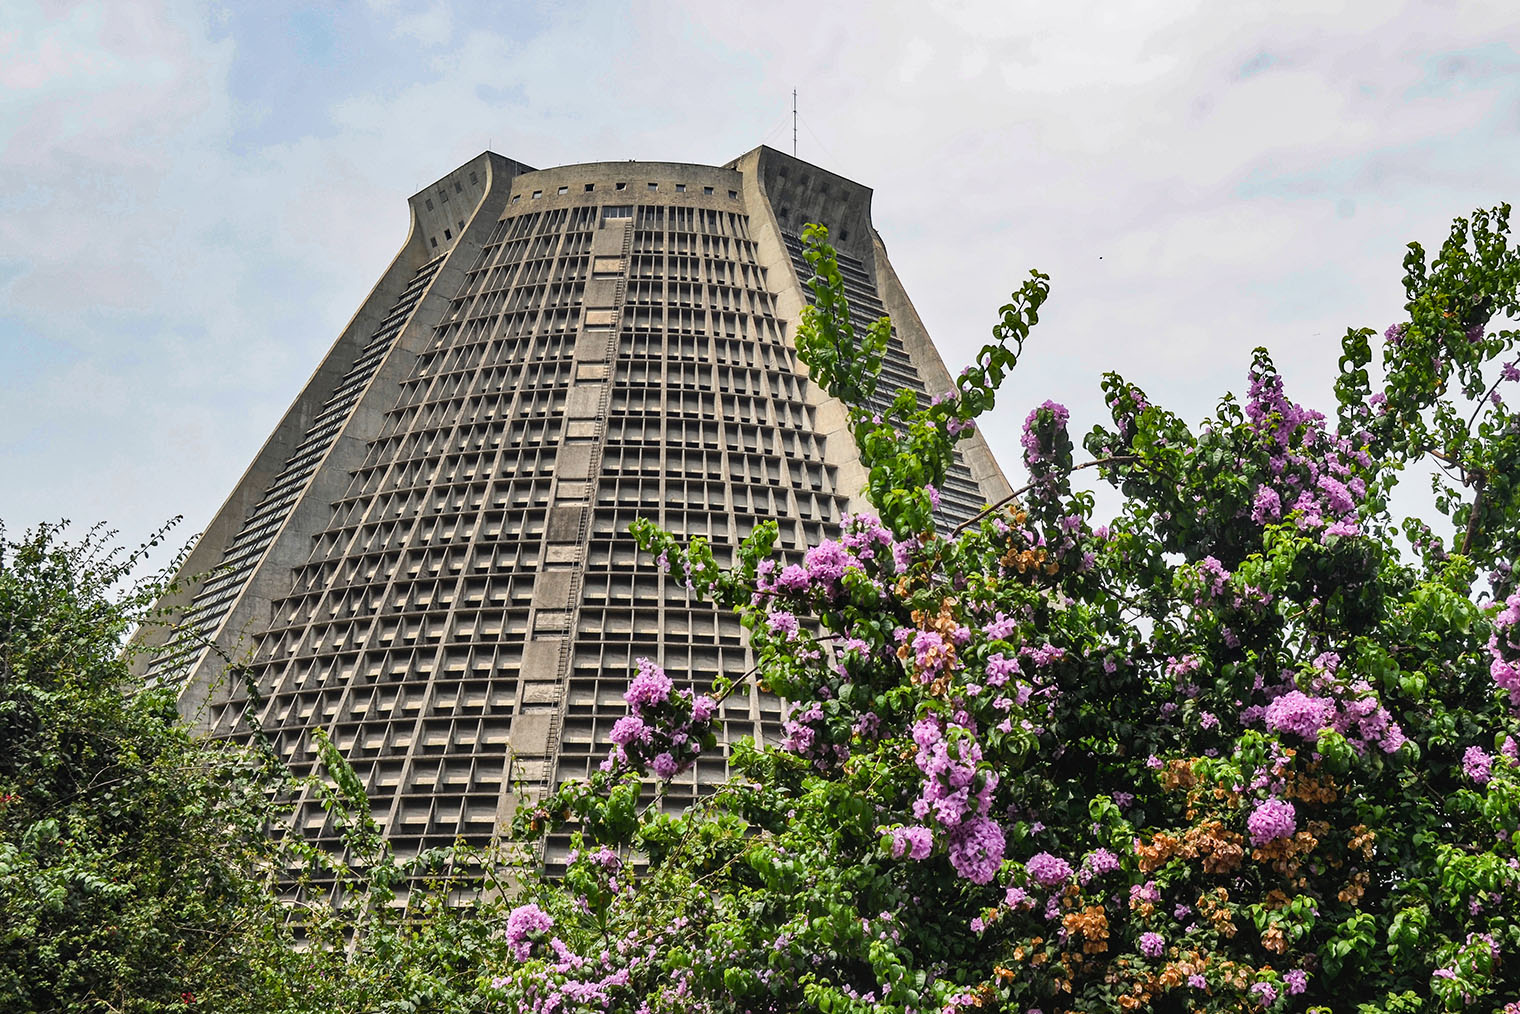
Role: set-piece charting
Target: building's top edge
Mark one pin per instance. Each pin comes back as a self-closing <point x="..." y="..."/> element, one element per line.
<point x="478" y="161"/>
<point x="778" y="153"/>
<point x="604" y="168"/>
<point x="612" y="166"/>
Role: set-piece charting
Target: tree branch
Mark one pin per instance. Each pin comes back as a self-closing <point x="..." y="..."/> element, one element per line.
<point x="1479" y="482"/>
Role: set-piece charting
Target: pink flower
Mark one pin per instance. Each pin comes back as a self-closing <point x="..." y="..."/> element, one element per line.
<point x="649" y="688"/>
<point x="1300" y="714"/>
<point x="665" y="766"/>
<point x="522" y="922"/>
<point x="976" y="849"/>
<point x="1477" y="765"/>
<point x="914" y="842"/>
<point x="1152" y="945"/>
<point x="1048" y="870"/>
<point x="1272" y="819"/>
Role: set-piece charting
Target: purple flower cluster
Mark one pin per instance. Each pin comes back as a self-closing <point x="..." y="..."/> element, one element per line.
<point x="1152" y="945"/>
<point x="524" y="924"/>
<point x="1300" y="714"/>
<point x="957" y="794"/>
<point x="1048" y="870"/>
<point x="1037" y="432"/>
<point x="1477" y="765"/>
<point x="1351" y="708"/>
<point x="931" y="655"/>
<point x="1504" y="649"/>
<point x="665" y="729"/>
<point x="914" y="842"/>
<point x="976" y="849"/>
<point x="865" y="546"/>
<point x="1272" y="819"/>
<point x="1097" y="863"/>
<point x="1312" y="470"/>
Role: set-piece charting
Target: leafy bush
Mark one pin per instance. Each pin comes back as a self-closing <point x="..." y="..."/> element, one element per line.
<point x="1236" y="749"/>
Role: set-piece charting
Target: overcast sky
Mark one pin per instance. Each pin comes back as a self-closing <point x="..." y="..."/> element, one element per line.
<point x="194" y="200"/>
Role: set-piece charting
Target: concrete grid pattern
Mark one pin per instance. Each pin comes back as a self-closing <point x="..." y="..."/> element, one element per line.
<point x="430" y="558"/>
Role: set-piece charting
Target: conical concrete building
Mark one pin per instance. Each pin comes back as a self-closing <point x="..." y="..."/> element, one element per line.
<point x="429" y="557"/>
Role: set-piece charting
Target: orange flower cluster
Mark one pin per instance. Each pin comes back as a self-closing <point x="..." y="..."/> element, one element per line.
<point x="1362" y="840"/>
<point x="1212" y="905"/>
<point x="1352" y="893"/>
<point x="1287" y="854"/>
<point x="1092" y="925"/>
<point x="1312" y="787"/>
<point x="1221" y="849"/>
<point x="1178" y="775"/>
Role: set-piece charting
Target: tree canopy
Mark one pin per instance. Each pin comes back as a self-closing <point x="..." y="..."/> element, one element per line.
<point x="1239" y="748"/>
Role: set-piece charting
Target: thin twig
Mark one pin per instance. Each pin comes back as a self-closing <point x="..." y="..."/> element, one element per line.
<point x="1025" y="489"/>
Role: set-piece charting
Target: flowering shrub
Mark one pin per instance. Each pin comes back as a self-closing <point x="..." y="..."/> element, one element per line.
<point x="1240" y="748"/>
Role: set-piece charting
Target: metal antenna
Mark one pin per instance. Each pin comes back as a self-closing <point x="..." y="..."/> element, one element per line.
<point x="794" y="123"/>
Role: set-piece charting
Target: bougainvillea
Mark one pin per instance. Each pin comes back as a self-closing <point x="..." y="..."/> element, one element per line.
<point x="1247" y="746"/>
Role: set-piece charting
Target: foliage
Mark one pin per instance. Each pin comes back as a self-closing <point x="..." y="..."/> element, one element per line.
<point x="122" y="841"/>
<point x="1235" y="750"/>
<point x="136" y="871"/>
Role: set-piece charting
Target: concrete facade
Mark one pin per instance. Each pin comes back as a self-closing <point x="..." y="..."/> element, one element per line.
<point x="429" y="556"/>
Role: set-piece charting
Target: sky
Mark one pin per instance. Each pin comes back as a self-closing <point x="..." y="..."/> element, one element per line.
<point x="195" y="198"/>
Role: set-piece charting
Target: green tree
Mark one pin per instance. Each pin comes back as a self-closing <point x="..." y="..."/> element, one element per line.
<point x="137" y="868"/>
<point x="127" y="849"/>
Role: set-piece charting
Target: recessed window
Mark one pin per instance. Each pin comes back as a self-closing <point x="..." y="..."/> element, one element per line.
<point x="537" y="194"/>
<point x="733" y="195"/>
<point x="564" y="190"/>
<point x="430" y="204"/>
<point x="474" y="179"/>
<point x="458" y="187"/>
<point x="460" y="223"/>
<point x="622" y="186"/>
<point x="434" y="240"/>
<point x="680" y="188"/>
<point x="448" y="234"/>
<point x="707" y="191"/>
<point x="443" y="195"/>
<point x="516" y="198"/>
<point x="654" y="186"/>
<point x="590" y="187"/>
